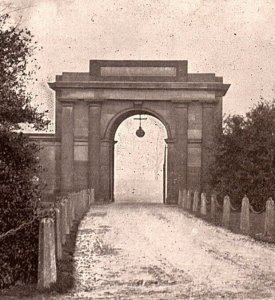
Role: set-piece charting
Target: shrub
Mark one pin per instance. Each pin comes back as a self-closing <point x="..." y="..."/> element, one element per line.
<point x="18" y="163"/>
<point x="244" y="155"/>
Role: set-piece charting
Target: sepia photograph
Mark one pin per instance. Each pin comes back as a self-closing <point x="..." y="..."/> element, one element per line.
<point x="137" y="149"/>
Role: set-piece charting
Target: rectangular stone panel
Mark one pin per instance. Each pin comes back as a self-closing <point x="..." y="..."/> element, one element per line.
<point x="136" y="94"/>
<point x="194" y="134"/>
<point x="158" y="95"/>
<point x="80" y="175"/>
<point x="138" y="71"/>
<point x="194" y="166"/>
<point x="194" y="178"/>
<point x="81" y="152"/>
<point x="81" y="119"/>
<point x="194" y="117"/>
<point x="194" y="155"/>
<point x="80" y="165"/>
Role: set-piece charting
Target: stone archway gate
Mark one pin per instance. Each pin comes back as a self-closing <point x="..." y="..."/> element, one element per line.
<point x="90" y="106"/>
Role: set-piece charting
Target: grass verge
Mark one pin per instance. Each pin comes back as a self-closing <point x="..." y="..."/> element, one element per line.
<point x="65" y="276"/>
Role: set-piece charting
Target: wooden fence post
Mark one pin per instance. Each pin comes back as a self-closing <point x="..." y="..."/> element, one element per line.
<point x="269" y="218"/>
<point x="72" y="208"/>
<point x="87" y="200"/>
<point x="63" y="222"/>
<point x="76" y="205"/>
<point x="82" y="203"/>
<point x="203" y="209"/>
<point x="245" y="224"/>
<point x="188" y="200"/>
<point x="213" y="210"/>
<point x="90" y="197"/>
<point x="226" y="212"/>
<point x="184" y="196"/>
<point x="70" y="215"/>
<point x="46" y="256"/>
<point x="67" y="227"/>
<point x="93" y="195"/>
<point x="58" y="234"/>
<point x="195" y="202"/>
<point x="79" y="204"/>
<point x="180" y="197"/>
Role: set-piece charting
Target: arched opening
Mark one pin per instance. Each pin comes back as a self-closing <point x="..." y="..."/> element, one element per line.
<point x="138" y="163"/>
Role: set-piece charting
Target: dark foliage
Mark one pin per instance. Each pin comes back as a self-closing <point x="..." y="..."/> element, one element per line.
<point x="19" y="167"/>
<point x="244" y="156"/>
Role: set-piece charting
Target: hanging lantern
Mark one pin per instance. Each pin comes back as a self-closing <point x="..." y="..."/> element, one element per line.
<point x="140" y="132"/>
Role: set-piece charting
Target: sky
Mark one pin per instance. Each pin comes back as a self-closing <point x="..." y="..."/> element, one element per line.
<point x="139" y="163"/>
<point x="234" y="39"/>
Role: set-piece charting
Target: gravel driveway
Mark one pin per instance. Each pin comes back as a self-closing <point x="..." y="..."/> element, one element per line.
<point x="152" y="251"/>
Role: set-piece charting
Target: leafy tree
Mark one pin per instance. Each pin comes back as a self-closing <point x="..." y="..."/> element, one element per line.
<point x="244" y="156"/>
<point x="18" y="156"/>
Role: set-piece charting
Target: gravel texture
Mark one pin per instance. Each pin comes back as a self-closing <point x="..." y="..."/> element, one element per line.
<point x="152" y="251"/>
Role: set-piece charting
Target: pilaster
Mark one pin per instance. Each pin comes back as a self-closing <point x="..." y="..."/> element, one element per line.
<point x="105" y="169"/>
<point x="67" y="148"/>
<point x="181" y="118"/>
<point x="171" y="173"/>
<point x="94" y="146"/>
<point x="195" y="109"/>
<point x="208" y="124"/>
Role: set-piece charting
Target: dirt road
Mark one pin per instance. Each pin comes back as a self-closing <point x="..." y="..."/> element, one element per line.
<point x="151" y="251"/>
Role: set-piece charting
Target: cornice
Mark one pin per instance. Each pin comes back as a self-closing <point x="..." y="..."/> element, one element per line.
<point x="195" y="86"/>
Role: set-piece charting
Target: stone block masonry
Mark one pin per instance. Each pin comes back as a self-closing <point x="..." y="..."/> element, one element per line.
<point x="90" y="107"/>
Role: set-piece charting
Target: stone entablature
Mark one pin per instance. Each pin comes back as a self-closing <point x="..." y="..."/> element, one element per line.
<point x="90" y="106"/>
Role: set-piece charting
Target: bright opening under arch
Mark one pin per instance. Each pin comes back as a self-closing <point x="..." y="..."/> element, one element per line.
<point x="139" y="161"/>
